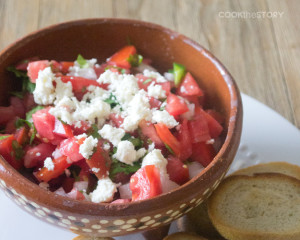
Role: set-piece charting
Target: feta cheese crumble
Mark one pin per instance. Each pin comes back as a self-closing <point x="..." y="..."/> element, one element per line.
<point x="48" y="163"/>
<point x="156" y="158"/>
<point x="86" y="71"/>
<point x="112" y="134"/>
<point x="156" y="91"/>
<point x="87" y="147"/>
<point x="127" y="154"/>
<point x="156" y="75"/>
<point x="104" y="192"/>
<point x="164" y="117"/>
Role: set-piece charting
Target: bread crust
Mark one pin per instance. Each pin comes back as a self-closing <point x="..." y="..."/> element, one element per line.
<point x="229" y="187"/>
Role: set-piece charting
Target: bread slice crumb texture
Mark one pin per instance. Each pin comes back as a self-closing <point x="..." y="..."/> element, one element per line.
<point x="257" y="205"/>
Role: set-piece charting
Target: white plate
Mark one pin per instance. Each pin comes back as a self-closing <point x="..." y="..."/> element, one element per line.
<point x="266" y="137"/>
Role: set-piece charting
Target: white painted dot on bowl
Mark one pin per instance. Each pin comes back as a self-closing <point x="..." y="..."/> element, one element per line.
<point x="58" y="214"/>
<point x="41" y="212"/>
<point x="175" y="213"/>
<point x="38" y="215"/>
<point x="193" y="200"/>
<point x="46" y="209"/>
<point x="74" y="228"/>
<point x="27" y="208"/>
<point x="87" y="230"/>
<point x="103" y="221"/>
<point x="62" y="225"/>
<point x="216" y="184"/>
<point x="142" y="227"/>
<point x="116" y="231"/>
<point x="150" y="222"/>
<point x="206" y="191"/>
<point x="85" y="220"/>
<point x="118" y="222"/>
<point x="50" y="220"/>
<point x="13" y="191"/>
<point x="145" y="219"/>
<point x="156" y="224"/>
<point x="182" y="205"/>
<point x="168" y="220"/>
<point x="126" y="226"/>
<point x="17" y="202"/>
<point x="21" y="200"/>
<point x="102" y="231"/>
<point x="130" y="229"/>
<point x="35" y="205"/>
<point x="131" y="221"/>
<point x="72" y="218"/>
<point x="169" y="212"/>
<point x="200" y="200"/>
<point x="157" y="216"/>
<point x="3" y="183"/>
<point x="66" y="221"/>
<point x="189" y="209"/>
<point x="23" y="197"/>
<point x="96" y="226"/>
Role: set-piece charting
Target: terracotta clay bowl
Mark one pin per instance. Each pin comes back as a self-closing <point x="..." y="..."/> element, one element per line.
<point x="100" y="38"/>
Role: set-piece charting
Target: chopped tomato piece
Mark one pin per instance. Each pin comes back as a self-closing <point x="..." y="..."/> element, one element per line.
<point x="145" y="183"/>
<point x="79" y="84"/>
<point x="120" y="58"/>
<point x="100" y="162"/>
<point x="177" y="171"/>
<point x="214" y="126"/>
<point x="64" y="66"/>
<point x="216" y="115"/>
<point x="168" y="138"/>
<point x="60" y="164"/>
<point x="116" y="119"/>
<point x="176" y="105"/>
<point x="24" y="64"/>
<point x="189" y="87"/>
<point x="203" y="153"/>
<point x="28" y="101"/>
<point x="81" y="127"/>
<point x="144" y="82"/>
<point x="35" y="67"/>
<point x="166" y="86"/>
<point x="154" y="103"/>
<point x="62" y="129"/>
<point x="35" y="155"/>
<point x="70" y="148"/>
<point x="148" y="131"/>
<point x="7" y="151"/>
<point x="21" y="135"/>
<point x="198" y="127"/>
<point x="184" y="138"/>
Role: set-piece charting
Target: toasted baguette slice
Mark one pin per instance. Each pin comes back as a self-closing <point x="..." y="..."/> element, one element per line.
<point x="184" y="236"/>
<point x="272" y="167"/>
<point x="260" y="207"/>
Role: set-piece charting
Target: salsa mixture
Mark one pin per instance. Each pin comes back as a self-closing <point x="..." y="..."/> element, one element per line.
<point x="111" y="132"/>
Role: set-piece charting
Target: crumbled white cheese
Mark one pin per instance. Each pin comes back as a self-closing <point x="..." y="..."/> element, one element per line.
<point x="138" y="109"/>
<point x="151" y="147"/>
<point x="93" y="92"/>
<point x="44" y="92"/>
<point x="104" y="192"/>
<point x="112" y="134"/>
<point x="87" y="147"/>
<point x="38" y="154"/>
<point x="56" y="153"/>
<point x="156" y="91"/>
<point x="156" y="75"/>
<point x="81" y="136"/>
<point x="156" y="158"/>
<point x="62" y="90"/>
<point x="106" y="146"/>
<point x="95" y="170"/>
<point x="86" y="71"/>
<point x="126" y="152"/>
<point x="48" y="163"/>
<point x="169" y="76"/>
<point x="164" y="117"/>
<point x="141" y="153"/>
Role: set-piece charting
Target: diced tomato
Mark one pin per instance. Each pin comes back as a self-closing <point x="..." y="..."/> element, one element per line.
<point x="189" y="87"/>
<point x="36" y="154"/>
<point x="148" y="131"/>
<point x="176" y="105"/>
<point x="166" y="86"/>
<point x="64" y="66"/>
<point x="28" y="101"/>
<point x="6" y="150"/>
<point x="35" y="67"/>
<point x="44" y="123"/>
<point x="81" y="128"/>
<point x="7" y="114"/>
<point x="79" y="84"/>
<point x="184" y="138"/>
<point x="21" y="135"/>
<point x="154" y="103"/>
<point x="198" y="127"/>
<point x="60" y="164"/>
<point x="144" y="82"/>
<point x="70" y="148"/>
<point x="63" y="130"/>
<point x="145" y="183"/>
<point x="217" y="116"/>
<point x="99" y="69"/>
<point x="120" y="58"/>
<point x="168" y="138"/>
<point x="18" y="106"/>
<point x="203" y="153"/>
<point x="214" y="126"/>
<point x="75" y="194"/>
<point x="100" y="162"/>
<point x="177" y="171"/>
<point x="193" y="99"/>
<point x="116" y="119"/>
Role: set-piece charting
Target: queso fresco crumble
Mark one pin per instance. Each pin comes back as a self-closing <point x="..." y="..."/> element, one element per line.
<point x="110" y="132"/>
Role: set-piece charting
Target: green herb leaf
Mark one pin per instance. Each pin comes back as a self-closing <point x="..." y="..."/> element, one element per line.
<point x="4" y="136"/>
<point x="93" y="131"/>
<point x="27" y="86"/>
<point x="34" y="132"/>
<point x="179" y="72"/>
<point x="17" y="94"/>
<point x="119" y="167"/>
<point x="81" y="61"/>
<point x="147" y="81"/>
<point x="18" y="73"/>
<point x="32" y="111"/>
<point x="18" y="152"/>
<point x="136" y="142"/>
<point x="169" y="149"/>
<point x="135" y="60"/>
<point x="112" y="100"/>
<point x="21" y="122"/>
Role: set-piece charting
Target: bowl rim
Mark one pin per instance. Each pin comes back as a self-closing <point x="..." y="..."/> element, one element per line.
<point x="65" y="204"/>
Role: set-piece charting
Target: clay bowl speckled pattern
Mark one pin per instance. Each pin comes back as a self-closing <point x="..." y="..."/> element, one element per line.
<point x="100" y="38"/>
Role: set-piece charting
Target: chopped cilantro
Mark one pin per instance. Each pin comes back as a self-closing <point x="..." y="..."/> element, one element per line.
<point x="137" y="143"/>
<point x="135" y="60"/>
<point x="18" y="152"/>
<point x="93" y="131"/>
<point x="169" y="149"/>
<point x="112" y="100"/>
<point x="119" y="167"/>
<point x="32" y="111"/>
<point x="34" y="132"/>
<point x="147" y="81"/>
<point x="18" y="73"/>
<point x="21" y="122"/>
<point x="27" y="86"/>
<point x="81" y="61"/>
